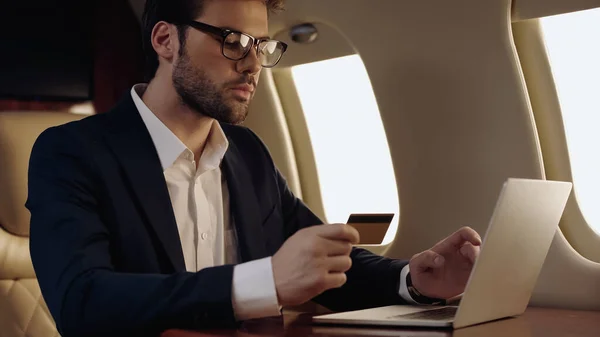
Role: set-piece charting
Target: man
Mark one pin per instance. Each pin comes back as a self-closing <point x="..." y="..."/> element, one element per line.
<point x="162" y="213"/>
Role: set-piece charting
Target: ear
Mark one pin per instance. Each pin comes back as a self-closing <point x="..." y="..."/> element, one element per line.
<point x="165" y="41"/>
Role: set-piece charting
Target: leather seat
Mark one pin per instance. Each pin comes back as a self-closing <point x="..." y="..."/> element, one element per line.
<point x="23" y="311"/>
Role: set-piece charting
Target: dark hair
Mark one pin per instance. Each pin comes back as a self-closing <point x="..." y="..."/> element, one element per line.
<point x="177" y="12"/>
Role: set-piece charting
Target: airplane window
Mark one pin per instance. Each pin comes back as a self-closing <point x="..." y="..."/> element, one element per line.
<point x="351" y="150"/>
<point x="573" y="44"/>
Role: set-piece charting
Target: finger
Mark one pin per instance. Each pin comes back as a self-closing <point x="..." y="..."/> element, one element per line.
<point x="335" y="280"/>
<point x="469" y="251"/>
<point x="339" y="264"/>
<point x="457" y="239"/>
<point x="340" y="232"/>
<point x="426" y="260"/>
<point x="337" y="248"/>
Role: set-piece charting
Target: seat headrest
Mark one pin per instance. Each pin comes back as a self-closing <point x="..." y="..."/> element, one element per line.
<point x="18" y="132"/>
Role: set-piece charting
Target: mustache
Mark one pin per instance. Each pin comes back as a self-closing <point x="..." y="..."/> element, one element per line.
<point x="244" y="80"/>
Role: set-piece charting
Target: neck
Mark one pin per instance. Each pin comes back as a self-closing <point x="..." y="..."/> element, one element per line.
<point x="191" y="127"/>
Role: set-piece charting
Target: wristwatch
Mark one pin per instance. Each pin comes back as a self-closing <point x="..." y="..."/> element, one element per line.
<point x="420" y="298"/>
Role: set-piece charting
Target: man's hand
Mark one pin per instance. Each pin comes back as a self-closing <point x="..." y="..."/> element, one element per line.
<point x="311" y="261"/>
<point x="443" y="271"/>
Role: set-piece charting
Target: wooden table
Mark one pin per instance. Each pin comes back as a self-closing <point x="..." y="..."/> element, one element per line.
<point x="536" y="322"/>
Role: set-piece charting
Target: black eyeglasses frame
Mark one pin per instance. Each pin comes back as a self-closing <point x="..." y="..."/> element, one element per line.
<point x="222" y="34"/>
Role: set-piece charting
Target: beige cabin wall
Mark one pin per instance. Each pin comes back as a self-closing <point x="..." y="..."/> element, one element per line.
<point x="457" y="114"/>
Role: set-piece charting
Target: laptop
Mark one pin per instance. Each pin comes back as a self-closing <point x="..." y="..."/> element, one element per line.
<point x="514" y="248"/>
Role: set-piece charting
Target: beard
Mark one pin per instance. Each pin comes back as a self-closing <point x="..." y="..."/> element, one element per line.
<point x="203" y="95"/>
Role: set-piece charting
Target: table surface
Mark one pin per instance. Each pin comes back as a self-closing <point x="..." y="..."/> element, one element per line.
<point x="535" y="322"/>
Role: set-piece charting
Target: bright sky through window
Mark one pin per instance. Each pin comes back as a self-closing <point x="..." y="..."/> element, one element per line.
<point x="573" y="43"/>
<point x="353" y="159"/>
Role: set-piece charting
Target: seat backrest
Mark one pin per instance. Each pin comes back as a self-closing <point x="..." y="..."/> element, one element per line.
<point x="23" y="311"/>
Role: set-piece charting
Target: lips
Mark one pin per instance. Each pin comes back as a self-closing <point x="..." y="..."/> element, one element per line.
<point x="244" y="87"/>
<point x="243" y="92"/>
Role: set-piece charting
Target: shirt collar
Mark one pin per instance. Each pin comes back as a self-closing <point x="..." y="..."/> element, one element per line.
<point x="169" y="147"/>
<point x="214" y="151"/>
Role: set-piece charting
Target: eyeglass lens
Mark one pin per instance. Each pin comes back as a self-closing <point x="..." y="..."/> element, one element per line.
<point x="236" y="47"/>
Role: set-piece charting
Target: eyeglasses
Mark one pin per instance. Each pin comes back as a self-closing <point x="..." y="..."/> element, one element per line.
<point x="236" y="45"/>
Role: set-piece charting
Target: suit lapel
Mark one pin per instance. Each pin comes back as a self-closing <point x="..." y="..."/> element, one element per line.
<point x="134" y="148"/>
<point x="244" y="205"/>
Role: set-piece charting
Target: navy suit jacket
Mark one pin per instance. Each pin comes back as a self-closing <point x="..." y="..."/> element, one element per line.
<point x="105" y="244"/>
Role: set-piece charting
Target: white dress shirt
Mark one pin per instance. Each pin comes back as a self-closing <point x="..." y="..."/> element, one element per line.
<point x="200" y="201"/>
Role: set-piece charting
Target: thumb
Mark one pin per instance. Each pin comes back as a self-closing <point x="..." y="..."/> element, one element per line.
<point x="426" y="260"/>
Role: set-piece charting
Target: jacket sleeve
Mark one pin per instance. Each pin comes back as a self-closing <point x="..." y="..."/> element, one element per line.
<point x="372" y="281"/>
<point x="71" y="253"/>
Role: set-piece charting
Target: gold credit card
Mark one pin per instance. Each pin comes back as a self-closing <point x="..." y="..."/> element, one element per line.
<point x="371" y="227"/>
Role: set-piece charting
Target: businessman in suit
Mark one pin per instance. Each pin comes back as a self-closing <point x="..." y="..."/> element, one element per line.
<point x="165" y="213"/>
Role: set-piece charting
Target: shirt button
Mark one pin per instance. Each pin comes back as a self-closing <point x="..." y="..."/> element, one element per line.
<point x="204" y="236"/>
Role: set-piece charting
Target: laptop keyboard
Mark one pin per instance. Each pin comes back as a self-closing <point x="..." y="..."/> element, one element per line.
<point x="442" y="314"/>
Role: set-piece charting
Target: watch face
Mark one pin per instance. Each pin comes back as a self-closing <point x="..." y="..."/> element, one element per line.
<point x="418" y="297"/>
<point x="414" y="291"/>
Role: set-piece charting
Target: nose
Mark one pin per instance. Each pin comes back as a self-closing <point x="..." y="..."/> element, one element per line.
<point x="249" y="64"/>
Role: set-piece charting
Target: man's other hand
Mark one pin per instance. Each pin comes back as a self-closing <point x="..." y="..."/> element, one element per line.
<point x="312" y="261"/>
<point x="443" y="271"/>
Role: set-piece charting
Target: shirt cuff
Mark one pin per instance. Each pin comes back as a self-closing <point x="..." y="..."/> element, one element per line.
<point x="253" y="290"/>
<point x="403" y="291"/>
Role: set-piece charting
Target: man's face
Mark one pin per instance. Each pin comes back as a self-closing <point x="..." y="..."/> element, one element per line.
<point x="208" y="82"/>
